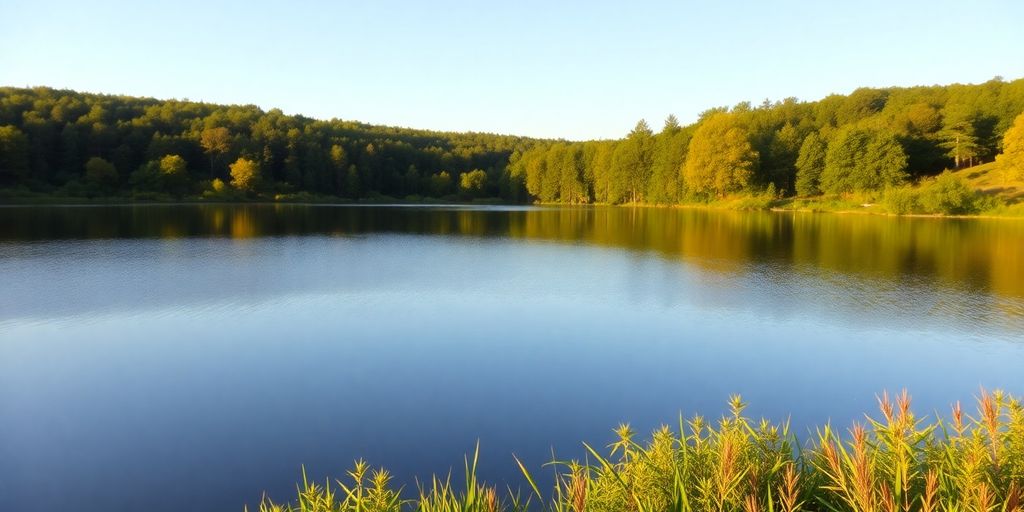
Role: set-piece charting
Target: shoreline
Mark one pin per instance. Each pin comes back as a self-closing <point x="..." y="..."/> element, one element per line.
<point x="69" y="202"/>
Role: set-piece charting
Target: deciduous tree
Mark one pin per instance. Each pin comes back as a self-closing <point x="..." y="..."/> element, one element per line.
<point x="216" y="142"/>
<point x="1011" y="160"/>
<point x="13" y="155"/>
<point x="720" y="159"/>
<point x="245" y="174"/>
<point x="100" y="172"/>
<point x="809" y="164"/>
<point x="473" y="184"/>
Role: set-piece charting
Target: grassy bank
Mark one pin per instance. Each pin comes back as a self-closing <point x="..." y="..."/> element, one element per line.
<point x="979" y="191"/>
<point x="892" y="461"/>
<point x="983" y="190"/>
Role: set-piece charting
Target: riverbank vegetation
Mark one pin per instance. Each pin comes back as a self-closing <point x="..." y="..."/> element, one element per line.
<point x="868" y="147"/>
<point x="892" y="461"/>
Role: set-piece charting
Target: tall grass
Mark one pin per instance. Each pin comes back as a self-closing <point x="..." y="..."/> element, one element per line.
<point x="894" y="461"/>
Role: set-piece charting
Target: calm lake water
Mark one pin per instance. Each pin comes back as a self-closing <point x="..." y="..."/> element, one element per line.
<point x="170" y="358"/>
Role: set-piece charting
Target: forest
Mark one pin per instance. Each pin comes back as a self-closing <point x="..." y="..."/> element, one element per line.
<point x="873" y="141"/>
<point x="75" y="144"/>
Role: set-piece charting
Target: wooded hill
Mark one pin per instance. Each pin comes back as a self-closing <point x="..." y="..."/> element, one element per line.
<point x="77" y="144"/>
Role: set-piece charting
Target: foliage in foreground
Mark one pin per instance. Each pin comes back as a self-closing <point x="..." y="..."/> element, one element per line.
<point x="896" y="461"/>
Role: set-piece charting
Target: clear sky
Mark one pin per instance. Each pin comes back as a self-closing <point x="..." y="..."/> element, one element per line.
<point x="574" y="70"/>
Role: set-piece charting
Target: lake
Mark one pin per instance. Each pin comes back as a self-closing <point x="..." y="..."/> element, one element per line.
<point x="191" y="357"/>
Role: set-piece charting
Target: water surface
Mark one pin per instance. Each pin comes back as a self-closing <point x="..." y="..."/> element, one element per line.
<point x="191" y="357"/>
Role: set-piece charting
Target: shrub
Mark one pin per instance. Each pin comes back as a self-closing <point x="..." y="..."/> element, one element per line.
<point x="900" y="200"/>
<point x="218" y="190"/>
<point x="895" y="460"/>
<point x="948" y="194"/>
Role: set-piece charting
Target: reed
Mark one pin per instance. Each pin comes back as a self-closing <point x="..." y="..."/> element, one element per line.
<point x="895" y="461"/>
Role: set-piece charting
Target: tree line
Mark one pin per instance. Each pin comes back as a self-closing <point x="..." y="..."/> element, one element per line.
<point x="72" y="143"/>
<point x="78" y="144"/>
<point x="866" y="141"/>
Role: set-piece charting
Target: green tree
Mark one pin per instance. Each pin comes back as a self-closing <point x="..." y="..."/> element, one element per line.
<point x="720" y="159"/>
<point x="534" y="164"/>
<point x="473" y="184"/>
<point x="174" y="174"/>
<point x="962" y="143"/>
<point x="69" y="164"/>
<point x="1011" y="160"/>
<point x="339" y="167"/>
<point x="353" y="185"/>
<point x="600" y="170"/>
<point x="551" y="178"/>
<point x="779" y="168"/>
<point x="810" y="163"/>
<point x="843" y="159"/>
<point x="885" y="163"/>
<point x="14" y="154"/>
<point x="635" y="161"/>
<point x="860" y="160"/>
<point x="571" y="176"/>
<point x="100" y="172"/>
<point x="216" y="142"/>
<point x="245" y="174"/>
<point x="959" y="134"/>
<point x="622" y="159"/>
<point x="920" y="119"/>
<point x="669" y="154"/>
<point x="441" y="184"/>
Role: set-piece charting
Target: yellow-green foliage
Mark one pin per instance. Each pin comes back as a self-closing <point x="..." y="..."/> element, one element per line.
<point x="900" y="200"/>
<point x="720" y="159"/>
<point x="895" y="461"/>
<point x="245" y="174"/>
<point x="946" y="194"/>
<point x="473" y="183"/>
<point x="1011" y="161"/>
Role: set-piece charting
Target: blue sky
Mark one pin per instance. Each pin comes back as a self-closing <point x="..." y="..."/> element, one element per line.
<point x="574" y="70"/>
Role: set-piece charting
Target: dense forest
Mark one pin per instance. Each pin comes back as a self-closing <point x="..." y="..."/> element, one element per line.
<point x="90" y="145"/>
<point x="866" y="141"/>
<point x="78" y="144"/>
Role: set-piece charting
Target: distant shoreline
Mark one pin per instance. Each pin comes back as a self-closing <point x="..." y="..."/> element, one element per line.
<point x="389" y="202"/>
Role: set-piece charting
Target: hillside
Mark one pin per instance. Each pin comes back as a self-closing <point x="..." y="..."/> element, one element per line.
<point x="991" y="180"/>
<point x="62" y="144"/>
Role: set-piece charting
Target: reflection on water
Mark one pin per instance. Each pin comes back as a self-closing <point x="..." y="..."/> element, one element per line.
<point x="190" y="357"/>
<point x="980" y="254"/>
<point x="890" y="257"/>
